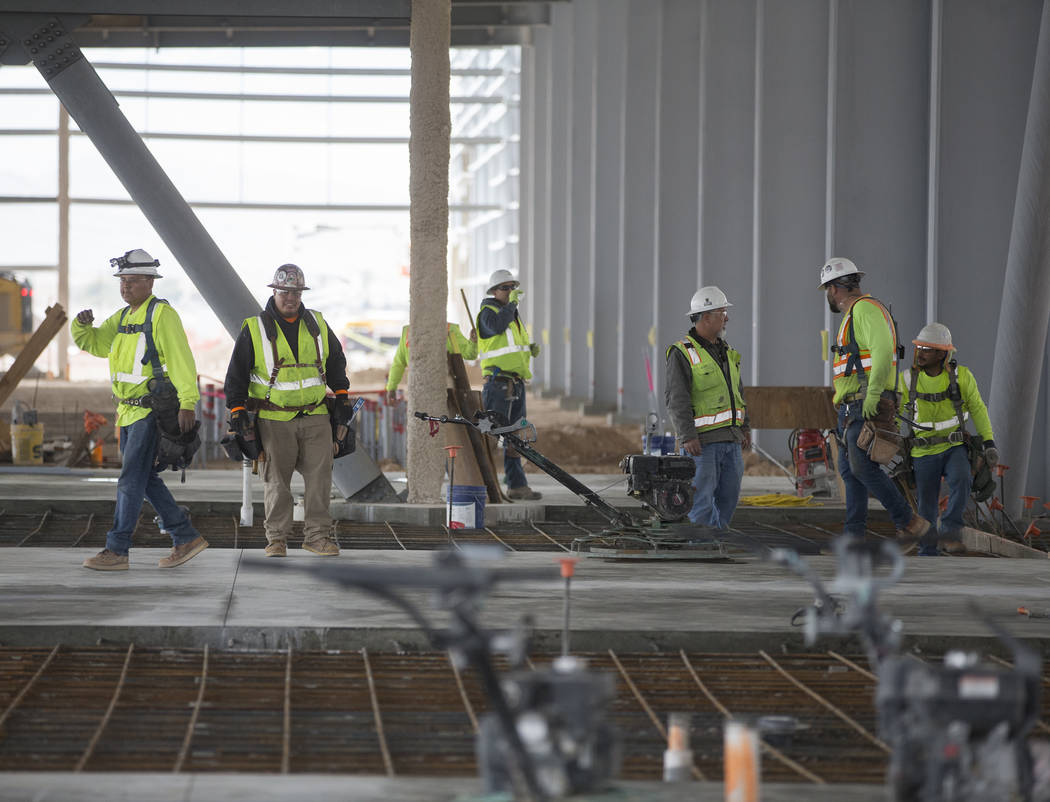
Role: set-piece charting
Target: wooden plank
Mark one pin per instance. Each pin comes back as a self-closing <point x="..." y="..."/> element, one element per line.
<point x="790" y="407"/>
<point x="54" y="320"/>
<point x="468" y="402"/>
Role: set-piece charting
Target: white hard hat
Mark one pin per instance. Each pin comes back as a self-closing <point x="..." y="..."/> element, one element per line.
<point x="502" y="277"/>
<point x="837" y="267"/>
<point x="136" y="263"/>
<point x="707" y="299"/>
<point x="289" y="277"/>
<point x="935" y="335"/>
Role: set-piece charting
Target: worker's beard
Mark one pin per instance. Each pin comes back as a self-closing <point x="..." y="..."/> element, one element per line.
<point x="834" y="307"/>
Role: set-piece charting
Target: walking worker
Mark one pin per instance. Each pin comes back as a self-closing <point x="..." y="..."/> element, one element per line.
<point x="281" y="362"/>
<point x="455" y="343"/>
<point x="506" y="352"/>
<point x="154" y="375"/>
<point x="941" y="394"/>
<point x="866" y="381"/>
<point x="705" y="401"/>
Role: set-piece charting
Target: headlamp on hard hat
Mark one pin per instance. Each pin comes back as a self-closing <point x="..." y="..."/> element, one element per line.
<point x="131" y="259"/>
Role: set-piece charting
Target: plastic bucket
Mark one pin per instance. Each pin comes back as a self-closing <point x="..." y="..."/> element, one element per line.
<point x="468" y="507"/>
<point x="26" y="444"/>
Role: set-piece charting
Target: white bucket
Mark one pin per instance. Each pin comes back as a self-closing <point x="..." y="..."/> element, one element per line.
<point x="462" y="515"/>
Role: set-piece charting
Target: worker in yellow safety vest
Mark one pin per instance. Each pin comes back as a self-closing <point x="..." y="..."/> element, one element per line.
<point x="866" y="388"/>
<point x="506" y="351"/>
<point x="455" y="343"/>
<point x="705" y="402"/>
<point x="155" y="384"/>
<point x="284" y="360"/>
<point x="939" y="396"/>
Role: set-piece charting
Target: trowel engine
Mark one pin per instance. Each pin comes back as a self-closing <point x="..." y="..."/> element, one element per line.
<point x="664" y="484"/>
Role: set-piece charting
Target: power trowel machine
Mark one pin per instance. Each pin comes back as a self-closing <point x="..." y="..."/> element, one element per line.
<point x="662" y="484"/>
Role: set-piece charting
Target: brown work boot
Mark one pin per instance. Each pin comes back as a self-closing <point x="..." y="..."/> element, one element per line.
<point x="325" y="547"/>
<point x="184" y="553"/>
<point x="523" y="493"/>
<point x="916" y="528"/>
<point x="276" y="549"/>
<point x="107" y="560"/>
<point x="952" y="544"/>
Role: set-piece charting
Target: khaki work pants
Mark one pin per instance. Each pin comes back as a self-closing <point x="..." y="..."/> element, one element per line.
<point x="301" y="444"/>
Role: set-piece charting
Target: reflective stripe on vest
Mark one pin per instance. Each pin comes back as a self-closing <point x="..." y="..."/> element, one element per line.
<point x="708" y="421"/>
<point x="509" y="349"/>
<point x="865" y="363"/>
<point x="941" y="425"/>
<point x="839" y="367"/>
<point x="313" y="381"/>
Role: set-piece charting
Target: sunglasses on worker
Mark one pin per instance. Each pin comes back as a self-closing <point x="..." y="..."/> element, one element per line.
<point x="505" y="287"/>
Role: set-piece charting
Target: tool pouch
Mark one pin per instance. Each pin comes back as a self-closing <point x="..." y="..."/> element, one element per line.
<point x="881" y="445"/>
<point x="983" y="484"/>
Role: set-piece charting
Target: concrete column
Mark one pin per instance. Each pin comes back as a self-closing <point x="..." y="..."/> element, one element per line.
<point x="607" y="355"/>
<point x="526" y="212"/>
<point x="636" y="302"/>
<point x="580" y="278"/>
<point x="555" y="366"/>
<point x="429" y="130"/>
<point x="679" y="166"/>
<point x="1021" y="342"/>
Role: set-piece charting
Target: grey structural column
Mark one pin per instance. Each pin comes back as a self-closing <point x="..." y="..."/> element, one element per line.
<point x="526" y="211"/>
<point x="606" y="352"/>
<point x="430" y="127"/>
<point x="1020" y="346"/>
<point x="536" y="98"/>
<point x="555" y="365"/>
<point x="580" y="277"/>
<point x="678" y="163"/>
<point x="49" y="46"/>
<point x="636" y="298"/>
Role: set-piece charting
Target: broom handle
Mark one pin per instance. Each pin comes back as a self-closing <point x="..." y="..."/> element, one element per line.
<point x="466" y="306"/>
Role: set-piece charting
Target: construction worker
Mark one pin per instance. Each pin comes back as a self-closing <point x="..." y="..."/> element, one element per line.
<point x="281" y="362"/>
<point x="939" y="396"/>
<point x="153" y="374"/>
<point x="454" y="343"/>
<point x="706" y="404"/>
<point x="506" y="351"/>
<point x="866" y="388"/>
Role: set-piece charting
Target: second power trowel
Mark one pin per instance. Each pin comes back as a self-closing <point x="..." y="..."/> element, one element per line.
<point x="662" y="484"/>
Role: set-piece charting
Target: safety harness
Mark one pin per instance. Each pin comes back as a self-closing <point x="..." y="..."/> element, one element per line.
<point x="854" y="360"/>
<point x="269" y="324"/>
<point x="953" y="394"/>
<point x="175" y="448"/>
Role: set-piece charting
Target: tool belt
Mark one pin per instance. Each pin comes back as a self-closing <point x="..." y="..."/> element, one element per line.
<point x="956" y="437"/>
<point x="503" y="377"/>
<point x="145" y="401"/>
<point x="879" y="436"/>
<point x="255" y="404"/>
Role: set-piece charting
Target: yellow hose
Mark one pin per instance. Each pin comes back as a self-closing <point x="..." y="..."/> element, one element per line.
<point x="779" y="500"/>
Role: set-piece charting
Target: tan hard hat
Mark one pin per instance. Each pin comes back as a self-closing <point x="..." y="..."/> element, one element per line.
<point x="289" y="277"/>
<point x="935" y="335"/>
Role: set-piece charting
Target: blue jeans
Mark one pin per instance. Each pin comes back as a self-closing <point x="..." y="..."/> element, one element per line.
<point x="494" y="397"/>
<point x="138" y="481"/>
<point x="716" y="484"/>
<point x="954" y="466"/>
<point x="861" y="476"/>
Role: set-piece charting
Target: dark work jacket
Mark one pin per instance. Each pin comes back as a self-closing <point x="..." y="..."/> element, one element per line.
<point x="238" y="374"/>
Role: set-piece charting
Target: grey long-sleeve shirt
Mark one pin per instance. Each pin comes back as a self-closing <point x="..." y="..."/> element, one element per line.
<point x="678" y="395"/>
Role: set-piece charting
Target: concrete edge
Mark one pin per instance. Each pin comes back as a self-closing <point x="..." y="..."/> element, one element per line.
<point x="407" y="640"/>
<point x="976" y="540"/>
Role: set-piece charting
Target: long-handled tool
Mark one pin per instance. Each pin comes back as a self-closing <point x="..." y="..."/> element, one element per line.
<point x="466" y="306"/>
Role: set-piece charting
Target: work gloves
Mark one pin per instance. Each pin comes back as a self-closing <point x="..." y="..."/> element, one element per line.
<point x="343" y="410"/>
<point x="534" y="349"/>
<point x="871" y="406"/>
<point x="516" y="295"/>
<point x="239" y="422"/>
<point x="991" y="453"/>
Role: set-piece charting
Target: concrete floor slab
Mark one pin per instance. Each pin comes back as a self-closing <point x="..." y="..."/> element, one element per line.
<point x="220" y="598"/>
